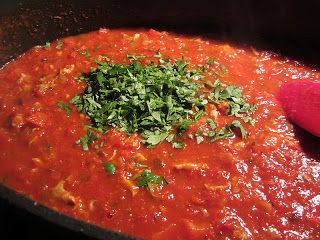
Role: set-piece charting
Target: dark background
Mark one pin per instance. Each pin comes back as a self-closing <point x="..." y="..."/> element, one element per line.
<point x="287" y="27"/>
<point x="19" y="224"/>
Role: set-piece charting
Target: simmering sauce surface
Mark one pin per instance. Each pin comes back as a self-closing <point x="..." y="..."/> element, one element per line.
<point x="263" y="187"/>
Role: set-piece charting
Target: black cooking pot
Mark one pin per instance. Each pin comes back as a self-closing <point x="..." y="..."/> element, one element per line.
<point x="287" y="27"/>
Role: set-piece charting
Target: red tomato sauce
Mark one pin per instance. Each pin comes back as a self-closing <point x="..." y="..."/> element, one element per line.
<point x="263" y="187"/>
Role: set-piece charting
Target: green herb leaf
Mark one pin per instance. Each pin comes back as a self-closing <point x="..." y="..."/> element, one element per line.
<point x="237" y="124"/>
<point x="232" y="96"/>
<point x="47" y="45"/>
<point x="223" y="69"/>
<point x="177" y="145"/>
<point x="86" y="53"/>
<point x="150" y="99"/>
<point x="102" y="143"/>
<point x="212" y="124"/>
<point x="65" y="107"/>
<point x="80" y="78"/>
<point x="185" y="124"/>
<point x="89" y="138"/>
<point x="210" y="61"/>
<point x="200" y="139"/>
<point x="223" y="133"/>
<point x="247" y="120"/>
<point x="110" y="168"/>
<point x="198" y="132"/>
<point x="170" y="137"/>
<point x="198" y="114"/>
<point x="133" y="58"/>
<point x="158" y="55"/>
<point x="148" y="179"/>
<point x="153" y="138"/>
<point x="59" y="45"/>
<point x="157" y="99"/>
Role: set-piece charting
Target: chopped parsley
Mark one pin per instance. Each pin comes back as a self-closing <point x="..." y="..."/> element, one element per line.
<point x="222" y="133"/>
<point x="89" y="138"/>
<point x="170" y="137"/>
<point x="133" y="58"/>
<point x="152" y="100"/>
<point x="79" y="79"/>
<point x="46" y="46"/>
<point x="223" y="69"/>
<point x="237" y="124"/>
<point x="160" y="100"/>
<point x="211" y="123"/>
<point x="59" y="45"/>
<point x="153" y="138"/>
<point x="232" y="96"/>
<point x="177" y="145"/>
<point x="210" y="61"/>
<point x="227" y="131"/>
<point x="86" y="53"/>
<point x="199" y="136"/>
<point x="148" y="179"/>
<point x="110" y="168"/>
<point x="65" y="107"/>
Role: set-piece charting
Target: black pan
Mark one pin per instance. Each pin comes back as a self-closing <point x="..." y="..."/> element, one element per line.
<point x="287" y="27"/>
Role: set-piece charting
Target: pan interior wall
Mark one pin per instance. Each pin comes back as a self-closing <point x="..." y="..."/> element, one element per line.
<point x="287" y="27"/>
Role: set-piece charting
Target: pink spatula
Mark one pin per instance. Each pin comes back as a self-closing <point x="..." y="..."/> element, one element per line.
<point x="301" y="102"/>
